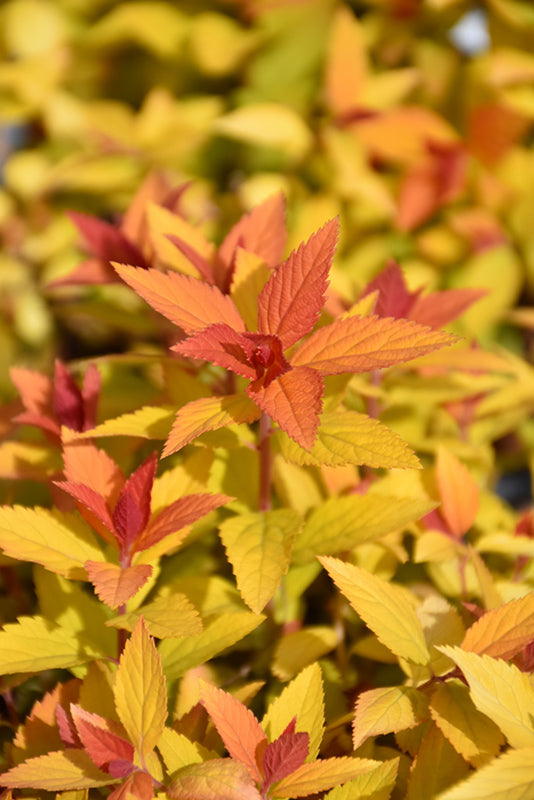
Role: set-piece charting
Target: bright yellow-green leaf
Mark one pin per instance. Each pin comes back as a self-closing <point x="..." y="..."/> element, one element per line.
<point x="504" y="631"/>
<point x="437" y="765"/>
<point x="469" y="731"/>
<point x="219" y="44"/>
<point x="295" y="651"/>
<point x="140" y="692"/>
<point x="178" y="751"/>
<point x="148" y="422"/>
<point x="347" y="437"/>
<point x="267" y="125"/>
<point x="60" y="542"/>
<point x="508" y="777"/>
<point x="169" y="616"/>
<point x="296" y="486"/>
<point x="62" y="769"/>
<point x="178" y="656"/>
<point x="320" y="775"/>
<point x="342" y="523"/>
<point x="259" y="547"/>
<point x="303" y="699"/>
<point x="374" y="785"/>
<point x="208" y="414"/>
<point x="387" y="710"/>
<point x="383" y="607"/>
<point x="158" y="26"/>
<point x="501" y="691"/>
<point x="33" y="644"/>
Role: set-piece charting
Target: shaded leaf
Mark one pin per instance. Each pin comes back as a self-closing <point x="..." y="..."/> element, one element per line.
<point x="387" y="710"/>
<point x="320" y="775"/>
<point x="508" y="777"/>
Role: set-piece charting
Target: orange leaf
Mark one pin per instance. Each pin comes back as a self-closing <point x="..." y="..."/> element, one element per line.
<point x="292" y="299"/>
<point x="459" y="493"/>
<point x="239" y="729"/>
<point x="185" y="301"/>
<point x="439" y="308"/>
<point x="262" y="232"/>
<point x="294" y="402"/>
<point x="360" y="344"/>
<point x="178" y="515"/>
<point x="115" y="585"/>
<point x="85" y="463"/>
<point x="347" y="66"/>
<point x="504" y="631"/>
<point x="317" y="776"/>
<point x="216" y="779"/>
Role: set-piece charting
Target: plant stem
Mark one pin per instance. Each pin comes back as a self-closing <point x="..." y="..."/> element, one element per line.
<point x="122" y="635"/>
<point x="264" y="452"/>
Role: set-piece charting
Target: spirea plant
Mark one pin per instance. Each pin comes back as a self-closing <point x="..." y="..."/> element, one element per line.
<point x="247" y="585"/>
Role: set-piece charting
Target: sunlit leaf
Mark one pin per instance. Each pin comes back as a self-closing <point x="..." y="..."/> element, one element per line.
<point x="63" y="769"/>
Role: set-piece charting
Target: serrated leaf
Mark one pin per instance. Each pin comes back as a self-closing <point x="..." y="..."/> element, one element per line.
<point x="459" y="492"/>
<point x="259" y="547"/>
<point x="470" y="732"/>
<point x="178" y="751"/>
<point x="375" y="785"/>
<point x="342" y="523"/>
<point x="139" y="690"/>
<point x="115" y="585"/>
<point x="387" y="710"/>
<point x="303" y="698"/>
<point x="33" y="644"/>
<point x="218" y="779"/>
<point x="148" y="422"/>
<point x="60" y="542"/>
<point x="208" y="414"/>
<point x="237" y="726"/>
<point x="284" y="756"/>
<point x="261" y="232"/>
<point x="347" y="437"/>
<point x="179" y="656"/>
<point x="62" y="769"/>
<point x="168" y="616"/>
<point x="291" y="300"/>
<point x="320" y="775"/>
<point x="99" y="739"/>
<point x="383" y="607"/>
<point x="504" y="631"/>
<point x="501" y="691"/>
<point x="361" y="344"/>
<point x="185" y="301"/>
<point x="508" y="777"/>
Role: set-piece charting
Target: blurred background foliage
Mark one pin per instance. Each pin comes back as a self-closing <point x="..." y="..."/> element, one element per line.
<point x="411" y="119"/>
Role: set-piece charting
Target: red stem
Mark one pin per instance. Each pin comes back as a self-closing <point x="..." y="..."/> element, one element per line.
<point x="264" y="452"/>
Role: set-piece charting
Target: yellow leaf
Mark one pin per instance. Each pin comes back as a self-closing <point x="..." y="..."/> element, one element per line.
<point x="501" y="691"/>
<point x="295" y="651"/>
<point x="28" y="461"/>
<point x="115" y="585"/>
<point x="459" y="492"/>
<point x="267" y="125"/>
<point x="347" y="437"/>
<point x="320" y="775"/>
<point x="161" y="223"/>
<point x="475" y="737"/>
<point x="342" y="523"/>
<point x="178" y="656"/>
<point x="148" y="422"/>
<point x="189" y="477"/>
<point x="509" y="777"/>
<point x="374" y="785"/>
<point x="383" y="607"/>
<point x="167" y="617"/>
<point x="303" y="699"/>
<point x="259" y="547"/>
<point x="249" y="277"/>
<point x="157" y="26"/>
<point x="437" y="765"/>
<point x="296" y="486"/>
<point x="33" y="644"/>
<point x="139" y="690"/>
<point x="347" y="67"/>
<point x="60" y="542"/>
<point x="178" y="751"/>
<point x="62" y="769"/>
<point x="219" y="44"/>
<point x="442" y="624"/>
<point x="216" y="779"/>
<point x="504" y="631"/>
<point x="387" y="710"/>
<point x="208" y="414"/>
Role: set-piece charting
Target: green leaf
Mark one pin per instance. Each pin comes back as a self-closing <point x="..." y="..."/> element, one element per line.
<point x="347" y="437"/>
<point x="259" y="547"/>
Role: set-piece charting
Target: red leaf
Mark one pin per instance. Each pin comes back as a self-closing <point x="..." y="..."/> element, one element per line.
<point x="68" y="401"/>
<point x="294" y="402"/>
<point x="202" y="266"/>
<point x="67" y="729"/>
<point x="221" y="345"/>
<point x="139" y="486"/>
<point x="262" y="232"/>
<point x="87" y="464"/>
<point x="291" y="300"/>
<point x="128" y="520"/>
<point x="284" y="756"/>
<point x="439" y="308"/>
<point x="102" y="745"/>
<point x="178" y="515"/>
<point x="95" y="504"/>
<point x="360" y="344"/>
<point x="106" y="241"/>
<point x="92" y="383"/>
<point x="394" y="298"/>
<point x="237" y="726"/>
<point x="185" y="301"/>
<point x="116" y="585"/>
